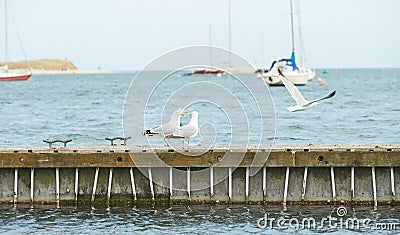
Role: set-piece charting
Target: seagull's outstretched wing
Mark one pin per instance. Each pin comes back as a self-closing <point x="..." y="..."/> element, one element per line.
<point x="297" y="96"/>
<point x="323" y="98"/>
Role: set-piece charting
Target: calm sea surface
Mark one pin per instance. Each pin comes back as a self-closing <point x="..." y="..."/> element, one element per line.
<point x="88" y="108"/>
<point x="234" y="219"/>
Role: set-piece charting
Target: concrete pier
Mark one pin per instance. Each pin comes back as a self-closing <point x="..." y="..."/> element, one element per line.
<point x="123" y="175"/>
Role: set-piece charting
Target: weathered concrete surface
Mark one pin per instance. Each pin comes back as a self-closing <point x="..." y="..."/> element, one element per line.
<point x="343" y="183"/>
<point x="67" y="182"/>
<point x="23" y="185"/>
<point x="200" y="184"/>
<point x="256" y="193"/>
<point x="142" y="184"/>
<point x="125" y="156"/>
<point x="318" y="187"/>
<point x="85" y="185"/>
<point x="221" y="186"/>
<point x="275" y="184"/>
<point x="397" y="183"/>
<point x="328" y="179"/>
<point x="179" y="185"/>
<point x="121" y="185"/>
<point x="161" y="182"/>
<point x="383" y="183"/>
<point x="295" y="184"/>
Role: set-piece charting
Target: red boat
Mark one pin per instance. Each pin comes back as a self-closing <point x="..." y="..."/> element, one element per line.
<point x="218" y="72"/>
<point x="6" y="75"/>
<point x="209" y="71"/>
<point x="14" y="76"/>
<point x="11" y="75"/>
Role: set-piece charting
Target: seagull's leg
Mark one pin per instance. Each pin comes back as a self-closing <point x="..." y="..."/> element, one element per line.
<point x="183" y="143"/>
<point x="189" y="143"/>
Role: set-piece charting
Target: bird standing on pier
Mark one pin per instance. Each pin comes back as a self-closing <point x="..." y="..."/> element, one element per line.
<point x="167" y="128"/>
<point x="302" y="103"/>
<point x="187" y="131"/>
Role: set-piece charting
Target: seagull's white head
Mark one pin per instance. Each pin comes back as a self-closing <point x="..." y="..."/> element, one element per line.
<point x="194" y="121"/>
<point x="180" y="112"/>
<point x="194" y="114"/>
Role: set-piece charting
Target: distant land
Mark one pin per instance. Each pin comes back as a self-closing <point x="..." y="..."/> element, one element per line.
<point x="42" y="64"/>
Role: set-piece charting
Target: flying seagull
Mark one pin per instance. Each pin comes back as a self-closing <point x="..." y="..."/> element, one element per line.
<point x="167" y="128"/>
<point x="302" y="103"/>
<point x="187" y="131"/>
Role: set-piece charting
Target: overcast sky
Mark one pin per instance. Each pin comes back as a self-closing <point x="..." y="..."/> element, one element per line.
<point x="127" y="34"/>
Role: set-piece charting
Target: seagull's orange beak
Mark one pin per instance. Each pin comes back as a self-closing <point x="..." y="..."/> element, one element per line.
<point x="183" y="112"/>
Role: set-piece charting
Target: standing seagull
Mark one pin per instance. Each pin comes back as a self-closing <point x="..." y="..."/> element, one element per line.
<point x="302" y="104"/>
<point x="187" y="131"/>
<point x="167" y="128"/>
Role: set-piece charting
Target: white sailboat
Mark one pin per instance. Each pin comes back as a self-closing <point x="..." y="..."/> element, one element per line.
<point x="297" y="74"/>
<point x="5" y="73"/>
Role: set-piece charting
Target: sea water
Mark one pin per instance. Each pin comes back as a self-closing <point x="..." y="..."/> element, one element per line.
<point x="89" y="107"/>
<point x="198" y="219"/>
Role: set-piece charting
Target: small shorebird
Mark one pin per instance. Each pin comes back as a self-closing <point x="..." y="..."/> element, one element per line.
<point x="187" y="131"/>
<point x="302" y="103"/>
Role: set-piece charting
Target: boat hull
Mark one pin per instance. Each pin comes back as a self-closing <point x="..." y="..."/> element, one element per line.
<point x="276" y="80"/>
<point x="15" y="77"/>
<point x="217" y="72"/>
<point x="298" y="77"/>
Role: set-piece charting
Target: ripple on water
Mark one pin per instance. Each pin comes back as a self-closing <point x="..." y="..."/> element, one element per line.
<point x="176" y="219"/>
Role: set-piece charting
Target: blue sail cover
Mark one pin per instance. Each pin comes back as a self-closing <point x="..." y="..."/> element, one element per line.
<point x="293" y="61"/>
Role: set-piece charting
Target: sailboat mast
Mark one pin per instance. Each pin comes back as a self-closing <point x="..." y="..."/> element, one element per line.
<point x="301" y="46"/>
<point x="5" y="34"/>
<point x="291" y="18"/>
<point x="210" y="43"/>
<point x="230" y="32"/>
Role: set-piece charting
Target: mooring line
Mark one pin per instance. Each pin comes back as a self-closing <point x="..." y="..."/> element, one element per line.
<point x="303" y="191"/>
<point x="264" y="183"/>
<point x="96" y="177"/>
<point x="352" y="183"/>
<point x="374" y="186"/>
<point x="211" y="182"/>
<point x="170" y="182"/>
<point x="151" y="183"/>
<point x="392" y="182"/>
<point x="286" y="185"/>
<point x="333" y="184"/>
<point x="230" y="183"/>
<point x="247" y="183"/>
<point x="32" y="183"/>
<point x="110" y="176"/>
<point x="133" y="183"/>
<point x="15" y="185"/>
<point x="76" y="183"/>
<point x="188" y="181"/>
<point x="58" y="185"/>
